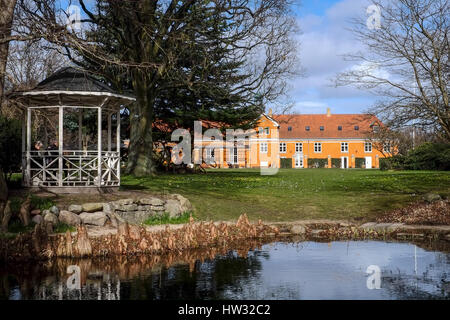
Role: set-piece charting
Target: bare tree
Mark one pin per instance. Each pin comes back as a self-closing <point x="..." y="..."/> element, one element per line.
<point x="406" y="61"/>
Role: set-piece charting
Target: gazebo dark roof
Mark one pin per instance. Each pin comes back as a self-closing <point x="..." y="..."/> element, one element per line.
<point x="73" y="87"/>
<point x="71" y="79"/>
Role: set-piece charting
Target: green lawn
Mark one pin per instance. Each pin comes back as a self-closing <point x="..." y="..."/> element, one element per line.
<point x="296" y="194"/>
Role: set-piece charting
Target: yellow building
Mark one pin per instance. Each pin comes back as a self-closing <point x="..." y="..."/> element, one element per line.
<point x="299" y="141"/>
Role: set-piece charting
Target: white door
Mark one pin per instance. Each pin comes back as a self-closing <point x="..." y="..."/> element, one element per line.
<point x="344" y="162"/>
<point x="368" y="162"/>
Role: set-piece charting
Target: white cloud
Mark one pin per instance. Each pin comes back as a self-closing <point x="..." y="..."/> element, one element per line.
<point x="324" y="41"/>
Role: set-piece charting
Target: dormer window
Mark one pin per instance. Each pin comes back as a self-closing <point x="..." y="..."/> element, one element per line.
<point x="376" y="128"/>
<point x="307" y="128"/>
<point x="339" y="128"/>
<point x="356" y="128"/>
<point x="289" y="128"/>
<point x="322" y="128"/>
<point x="267" y="131"/>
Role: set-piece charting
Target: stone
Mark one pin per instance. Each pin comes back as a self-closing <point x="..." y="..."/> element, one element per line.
<point x="431" y="197"/>
<point x="157" y="208"/>
<point x="124" y="201"/>
<point x="109" y="207"/>
<point x="45" y="212"/>
<point x="151" y="201"/>
<point x="144" y="208"/>
<point x="37" y="219"/>
<point x="35" y="212"/>
<point x="94" y="218"/>
<point x="173" y="208"/>
<point x="69" y="218"/>
<point x="127" y="207"/>
<point x="51" y="217"/>
<point x="185" y="204"/>
<point x="92" y="207"/>
<point x="54" y="210"/>
<point x="75" y="208"/>
<point x="298" y="229"/>
<point x="114" y="218"/>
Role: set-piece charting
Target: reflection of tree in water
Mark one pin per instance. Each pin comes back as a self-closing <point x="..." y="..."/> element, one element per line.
<point x="433" y="283"/>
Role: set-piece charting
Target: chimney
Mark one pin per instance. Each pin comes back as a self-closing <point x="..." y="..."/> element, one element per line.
<point x="270" y="112"/>
<point x="328" y="112"/>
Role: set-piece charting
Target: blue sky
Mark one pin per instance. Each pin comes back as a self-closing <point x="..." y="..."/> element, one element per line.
<point x="323" y="41"/>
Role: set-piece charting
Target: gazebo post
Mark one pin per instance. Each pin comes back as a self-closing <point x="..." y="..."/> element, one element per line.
<point x="80" y="131"/>
<point x="28" y="170"/>
<point x="60" y="145"/>
<point x="99" y="146"/>
<point x="109" y="131"/>
<point x="118" y="144"/>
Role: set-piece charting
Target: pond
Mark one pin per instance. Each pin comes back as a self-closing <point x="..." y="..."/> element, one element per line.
<point x="279" y="270"/>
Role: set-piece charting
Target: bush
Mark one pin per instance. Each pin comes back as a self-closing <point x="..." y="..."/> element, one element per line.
<point x="428" y="156"/>
<point x="10" y="146"/>
<point x="317" y="163"/>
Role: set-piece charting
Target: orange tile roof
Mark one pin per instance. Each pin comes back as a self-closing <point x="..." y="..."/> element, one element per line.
<point x="298" y="122"/>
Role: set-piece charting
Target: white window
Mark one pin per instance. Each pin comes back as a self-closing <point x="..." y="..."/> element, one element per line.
<point x="210" y="155"/>
<point x="368" y="147"/>
<point x="260" y="130"/>
<point x="344" y="146"/>
<point x="299" y="147"/>
<point x="299" y="162"/>
<point x="282" y="147"/>
<point x="263" y="147"/>
<point x="235" y="155"/>
<point x="267" y="131"/>
<point x="387" y="147"/>
<point x="317" y="147"/>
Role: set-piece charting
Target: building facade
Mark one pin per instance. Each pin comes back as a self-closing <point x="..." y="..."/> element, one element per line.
<point x="298" y="141"/>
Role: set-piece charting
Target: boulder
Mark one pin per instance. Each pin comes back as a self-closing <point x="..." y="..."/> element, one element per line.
<point x="92" y="207"/>
<point x="173" y="208"/>
<point x="184" y="202"/>
<point x="94" y="218"/>
<point x="54" y="210"/>
<point x="298" y="229"/>
<point x="35" y="212"/>
<point x="151" y="201"/>
<point x="69" y="218"/>
<point x="109" y="207"/>
<point x="37" y="219"/>
<point x="431" y="197"/>
<point x="124" y="201"/>
<point x="51" y="217"/>
<point x="127" y="207"/>
<point x="75" y="208"/>
<point x="45" y="212"/>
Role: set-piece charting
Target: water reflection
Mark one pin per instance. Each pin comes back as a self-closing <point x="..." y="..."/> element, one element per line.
<point x="294" y="270"/>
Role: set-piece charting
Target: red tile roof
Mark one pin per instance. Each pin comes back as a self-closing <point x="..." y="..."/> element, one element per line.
<point x="298" y="122"/>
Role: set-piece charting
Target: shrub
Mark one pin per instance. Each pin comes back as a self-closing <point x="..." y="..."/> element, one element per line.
<point x="317" y="163"/>
<point x="10" y="144"/>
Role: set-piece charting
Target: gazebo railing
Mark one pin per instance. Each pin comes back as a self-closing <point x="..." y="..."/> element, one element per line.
<point x="71" y="168"/>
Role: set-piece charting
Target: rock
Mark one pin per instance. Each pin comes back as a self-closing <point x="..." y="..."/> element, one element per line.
<point x="92" y="207"/>
<point x="35" y="212"/>
<point x="51" y="217"/>
<point x="75" y="208"/>
<point x="54" y="210"/>
<point x="133" y="217"/>
<point x="45" y="212"/>
<point x="298" y="229"/>
<point x="114" y="218"/>
<point x="173" y="208"/>
<point x="127" y="207"/>
<point x="37" y="219"/>
<point x="94" y="218"/>
<point x="48" y="227"/>
<point x="151" y="201"/>
<point x="184" y="203"/>
<point x="157" y="208"/>
<point x="69" y="218"/>
<point x="109" y="207"/>
<point x="431" y="197"/>
<point x="124" y="201"/>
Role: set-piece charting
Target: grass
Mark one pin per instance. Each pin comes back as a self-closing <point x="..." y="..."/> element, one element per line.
<point x="360" y="195"/>
<point x="62" y="228"/>
<point x="165" y="219"/>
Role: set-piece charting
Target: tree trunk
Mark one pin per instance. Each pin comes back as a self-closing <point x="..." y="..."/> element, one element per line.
<point x="6" y="19"/>
<point x="6" y="216"/>
<point x="3" y="195"/>
<point x="24" y="213"/>
<point x="140" y="156"/>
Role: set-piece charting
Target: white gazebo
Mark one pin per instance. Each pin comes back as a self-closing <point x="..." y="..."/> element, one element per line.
<point x="65" y="108"/>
